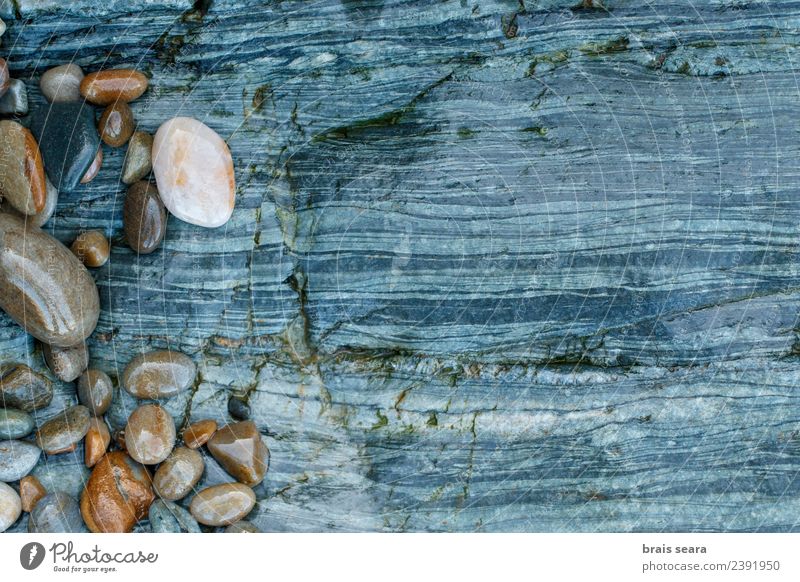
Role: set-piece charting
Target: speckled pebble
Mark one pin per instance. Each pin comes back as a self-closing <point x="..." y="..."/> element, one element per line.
<point x="15" y="424"/>
<point x="65" y="430"/>
<point x="56" y="512"/>
<point x="17" y="459"/>
<point x="21" y="387"/>
<point x="168" y="517"/>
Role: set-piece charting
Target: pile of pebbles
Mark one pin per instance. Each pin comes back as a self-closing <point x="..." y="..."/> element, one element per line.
<point x="146" y="471"/>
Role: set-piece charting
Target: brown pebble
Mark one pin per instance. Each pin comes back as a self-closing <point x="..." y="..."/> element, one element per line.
<point x="222" y="504"/>
<point x="116" y="124"/>
<point x="198" y="433"/>
<point x="61" y="433"/>
<point x="95" y="391"/>
<point x="178" y="474"/>
<point x="94" y="169"/>
<point x="91" y="248"/>
<point x="21" y="387"/>
<point x="138" y="158"/>
<point x="66" y="363"/>
<point x="117" y="494"/>
<point x="159" y="374"/>
<point x="22" y="178"/>
<point x="30" y="491"/>
<point x="150" y="434"/>
<point x="96" y="442"/>
<point x="144" y="218"/>
<point x="106" y="87"/>
<point x="5" y="77"/>
<point x="239" y="449"/>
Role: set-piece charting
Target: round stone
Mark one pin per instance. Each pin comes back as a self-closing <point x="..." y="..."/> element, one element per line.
<point x="91" y="248"/>
<point x="194" y="172"/>
<point x="15" y="424"/>
<point x="94" y="169"/>
<point x="177" y="476"/>
<point x="138" y="161"/>
<point x="21" y="169"/>
<point x="159" y="374"/>
<point x="66" y="363"/>
<point x="15" y="101"/>
<point x="98" y="437"/>
<point x="10" y="507"/>
<point x="238" y="408"/>
<point x="168" y="517"/>
<point x="242" y="526"/>
<point x="56" y="513"/>
<point x="44" y="287"/>
<point x="116" y="124"/>
<point x="106" y="87"/>
<point x="95" y="391"/>
<point x="62" y="84"/>
<point x="21" y="387"/>
<point x="65" y="430"/>
<point x="223" y="504"/>
<point x="241" y="452"/>
<point x="30" y="492"/>
<point x="144" y="218"/>
<point x="117" y="494"/>
<point x="17" y="459"/>
<point x="150" y="434"/>
<point x="198" y="433"/>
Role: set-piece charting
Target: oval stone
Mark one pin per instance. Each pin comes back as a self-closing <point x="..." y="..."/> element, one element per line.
<point x="117" y="494"/>
<point x="116" y="124"/>
<point x="223" y="504"/>
<point x="177" y="476"/>
<point x="91" y="248"/>
<point x="10" y="507"/>
<point x="159" y="374"/>
<point x="194" y="172"/>
<point x="66" y="363"/>
<point x="21" y="169"/>
<point x="242" y="526"/>
<point x="144" y="218"/>
<point x="95" y="391"/>
<point x="150" y="434"/>
<point x="65" y="430"/>
<point x="62" y="83"/>
<point x="138" y="161"/>
<point x="30" y="492"/>
<point x="56" y="513"/>
<point x="239" y="449"/>
<point x="168" y="517"/>
<point x="17" y="459"/>
<point x="15" y="424"/>
<point x="39" y="219"/>
<point x="21" y="387"/>
<point x="198" y="433"/>
<point x="106" y="87"/>
<point x="98" y="437"/>
<point x="44" y="287"/>
<point x="94" y="169"/>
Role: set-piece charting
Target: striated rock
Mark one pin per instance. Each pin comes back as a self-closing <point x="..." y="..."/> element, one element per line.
<point x="178" y="474"/>
<point x="91" y="248"/>
<point x="198" y="433"/>
<point x="30" y="492"/>
<point x="222" y="504"/>
<point x="66" y="363"/>
<point x="14" y="424"/>
<point x="10" y="507"/>
<point x="98" y="437"/>
<point x="144" y="218"/>
<point x="116" y="124"/>
<point x="21" y="387"/>
<point x="17" y="459"/>
<point x="168" y="517"/>
<point x="138" y="160"/>
<point x="95" y="391"/>
<point x="15" y="101"/>
<point x="150" y="434"/>
<point x="239" y="449"/>
<point x="62" y="84"/>
<point x="57" y="512"/>
<point x="94" y="169"/>
<point x="159" y="374"/>
<point x="64" y="431"/>
<point x="106" y="87"/>
<point x="21" y="171"/>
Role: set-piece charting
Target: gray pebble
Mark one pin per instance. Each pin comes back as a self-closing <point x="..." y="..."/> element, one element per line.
<point x="17" y="459"/>
<point x="168" y="517"/>
<point x="15" y="424"/>
<point x="238" y="408"/>
<point x="56" y="513"/>
<point x="15" y="101"/>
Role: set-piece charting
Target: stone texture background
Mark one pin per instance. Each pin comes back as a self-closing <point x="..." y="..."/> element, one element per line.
<point x="495" y="265"/>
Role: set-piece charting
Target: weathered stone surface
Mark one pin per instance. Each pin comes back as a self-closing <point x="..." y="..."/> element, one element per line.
<point x="150" y="434"/>
<point x="113" y="85"/>
<point x="239" y="449"/>
<point x="138" y="157"/>
<point x="222" y="504"/>
<point x="62" y="83"/>
<point x="21" y="387"/>
<point x="145" y="218"/>
<point x="31" y="491"/>
<point x="178" y="474"/>
<point x="159" y="374"/>
<point x="65" y="430"/>
<point x="17" y="459"/>
<point x="95" y="391"/>
<point x="168" y="517"/>
<point x="15" y="101"/>
<point x="10" y="506"/>
<point x="21" y="170"/>
<point x="56" y="513"/>
<point x="14" y="424"/>
<point x="66" y="363"/>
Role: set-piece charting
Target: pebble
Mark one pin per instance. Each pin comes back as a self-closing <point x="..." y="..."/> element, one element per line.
<point x="21" y="171"/>
<point x="144" y="218"/>
<point x="21" y="387"/>
<point x="223" y="504"/>
<point x="96" y="442"/>
<point x="117" y="494"/>
<point x="198" y="433"/>
<point x="239" y="449"/>
<point x="5" y="77"/>
<point x="177" y="476"/>
<point x="17" y="459"/>
<point x="15" y="424"/>
<point x="15" y="101"/>
<point x="64" y="431"/>
<point x="62" y="84"/>
<point x="159" y="374"/>
<point x="62" y="473"/>
<point x="66" y="363"/>
<point x="68" y="140"/>
<point x="39" y="219"/>
<point x="116" y="124"/>
<point x="60" y="305"/>
<point x="242" y="526"/>
<point x="150" y="434"/>
<point x="91" y="248"/>
<point x="10" y="507"/>
<point x="56" y="512"/>
<point x="238" y="408"/>
<point x="168" y="517"/>
<point x="106" y="87"/>
<point x="94" y="169"/>
<point x="30" y="492"/>
<point x="194" y="172"/>
<point x="138" y="160"/>
<point x="95" y="391"/>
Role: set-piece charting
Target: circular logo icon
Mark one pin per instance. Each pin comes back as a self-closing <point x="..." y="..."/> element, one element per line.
<point x="31" y="555"/>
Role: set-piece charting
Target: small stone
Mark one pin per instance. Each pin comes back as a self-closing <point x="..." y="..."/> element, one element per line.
<point x="150" y="434"/>
<point x="62" y="84"/>
<point x="17" y="459"/>
<point x="15" y="101"/>
<point x="39" y="219"/>
<point x="116" y="124"/>
<point x="106" y="87"/>
<point x="91" y="248"/>
<point x="223" y="504"/>
<point x="56" y="512"/>
<point x="64" y="431"/>
<point x="62" y="473"/>
<point x="68" y="140"/>
<point x="94" y="169"/>
<point x="5" y="77"/>
<point x="95" y="391"/>
<point x="15" y="424"/>
<point x="144" y="218"/>
<point x="66" y="363"/>
<point x="177" y="476"/>
<point x="21" y="387"/>
<point x="30" y="492"/>
<point x="10" y="507"/>
<point x="138" y="160"/>
<point x="194" y="172"/>
<point x="239" y="449"/>
<point x="238" y="408"/>
<point x="159" y="374"/>
<point x="198" y="433"/>
<point x="117" y="495"/>
<point x="96" y="442"/>
<point x="21" y="170"/>
<point x="242" y="526"/>
<point x="168" y="517"/>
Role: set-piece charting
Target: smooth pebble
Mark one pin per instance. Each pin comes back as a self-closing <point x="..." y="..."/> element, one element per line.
<point x="91" y="248"/>
<point x="95" y="391"/>
<point x="64" y="431"/>
<point x="17" y="459"/>
<point x="62" y="84"/>
<point x="159" y="374"/>
<point x="10" y="506"/>
<point x="66" y="363"/>
<point x="222" y="504"/>
<point x="144" y="218"/>
<point x="15" y="424"/>
<point x="178" y="474"/>
<point x="138" y="160"/>
<point x="150" y="434"/>
<point x="21" y="387"/>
